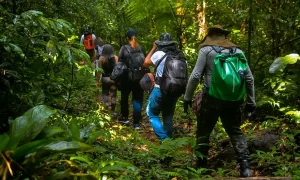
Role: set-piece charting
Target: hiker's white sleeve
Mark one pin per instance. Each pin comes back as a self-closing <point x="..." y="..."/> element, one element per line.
<point x="156" y="57"/>
<point x="196" y="74"/>
<point x="81" y="39"/>
<point x="250" y="87"/>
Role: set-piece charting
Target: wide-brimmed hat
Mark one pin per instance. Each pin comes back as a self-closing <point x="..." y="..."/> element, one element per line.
<point x="218" y="28"/>
<point x="218" y="40"/>
<point x="165" y="39"/>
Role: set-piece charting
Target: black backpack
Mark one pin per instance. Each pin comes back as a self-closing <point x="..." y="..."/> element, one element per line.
<point x="175" y="74"/>
<point x="135" y="63"/>
<point x="118" y="72"/>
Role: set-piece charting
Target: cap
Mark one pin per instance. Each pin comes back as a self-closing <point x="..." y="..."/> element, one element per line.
<point x="130" y="33"/>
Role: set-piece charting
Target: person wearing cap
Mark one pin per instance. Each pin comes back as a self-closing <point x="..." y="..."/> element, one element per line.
<point x="158" y="103"/>
<point x="128" y="86"/>
<point x="212" y="108"/>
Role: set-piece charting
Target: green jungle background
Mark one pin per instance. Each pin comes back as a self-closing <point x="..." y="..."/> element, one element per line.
<point x="53" y="127"/>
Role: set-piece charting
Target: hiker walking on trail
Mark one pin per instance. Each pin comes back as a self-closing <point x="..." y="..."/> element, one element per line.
<point x="133" y="55"/>
<point x="161" y="99"/>
<point x="98" y="47"/>
<point x="107" y="62"/>
<point x="227" y="79"/>
<point x="88" y="40"/>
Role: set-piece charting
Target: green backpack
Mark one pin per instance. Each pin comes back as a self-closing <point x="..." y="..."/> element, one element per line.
<point x="228" y="75"/>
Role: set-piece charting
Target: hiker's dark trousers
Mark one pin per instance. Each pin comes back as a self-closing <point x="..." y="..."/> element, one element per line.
<point x="230" y="113"/>
<point x="137" y="100"/>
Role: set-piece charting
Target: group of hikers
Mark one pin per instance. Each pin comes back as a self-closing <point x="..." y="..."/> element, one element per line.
<point x="228" y="87"/>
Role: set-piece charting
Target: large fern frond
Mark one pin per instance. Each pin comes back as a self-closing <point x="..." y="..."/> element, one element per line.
<point x="137" y="10"/>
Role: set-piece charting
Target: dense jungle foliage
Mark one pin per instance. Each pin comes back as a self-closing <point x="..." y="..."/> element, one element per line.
<point x="53" y="126"/>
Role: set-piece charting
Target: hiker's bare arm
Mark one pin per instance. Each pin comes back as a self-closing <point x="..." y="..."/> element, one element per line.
<point x="148" y="62"/>
<point x="98" y="73"/>
<point x="116" y="59"/>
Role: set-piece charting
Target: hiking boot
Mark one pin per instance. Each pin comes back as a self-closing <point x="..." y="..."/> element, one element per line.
<point x="245" y="168"/>
<point x="114" y="114"/>
<point x="123" y="120"/>
<point x="137" y="127"/>
<point x="201" y="162"/>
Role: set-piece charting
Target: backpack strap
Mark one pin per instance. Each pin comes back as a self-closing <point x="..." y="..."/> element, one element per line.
<point x="129" y="47"/>
<point x="218" y="49"/>
<point x="160" y="60"/>
<point x="127" y="61"/>
<point x="232" y="50"/>
<point x="126" y="47"/>
<point x="158" y="79"/>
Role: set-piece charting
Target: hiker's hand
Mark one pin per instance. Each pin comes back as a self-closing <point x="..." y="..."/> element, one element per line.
<point x="250" y="109"/>
<point x="186" y="105"/>
<point x="111" y="82"/>
<point x="155" y="44"/>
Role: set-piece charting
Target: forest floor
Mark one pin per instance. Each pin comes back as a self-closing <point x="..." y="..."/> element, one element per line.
<point x="187" y="129"/>
<point x="219" y="157"/>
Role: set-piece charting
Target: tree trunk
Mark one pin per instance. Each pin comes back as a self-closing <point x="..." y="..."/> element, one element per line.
<point x="249" y="33"/>
<point x="202" y="20"/>
<point x="275" y="35"/>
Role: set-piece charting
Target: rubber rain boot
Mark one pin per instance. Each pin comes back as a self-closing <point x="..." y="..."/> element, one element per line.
<point x="245" y="168"/>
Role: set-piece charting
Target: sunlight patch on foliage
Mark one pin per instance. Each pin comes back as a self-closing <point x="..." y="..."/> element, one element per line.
<point x="281" y="62"/>
<point x="295" y="115"/>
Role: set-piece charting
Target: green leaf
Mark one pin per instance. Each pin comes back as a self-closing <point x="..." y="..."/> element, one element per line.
<point x="295" y="114"/>
<point x="3" y="38"/>
<point x="118" y="166"/>
<point x="17" y="130"/>
<point x="28" y="126"/>
<point x="38" y="117"/>
<point x="80" y="53"/>
<point x="273" y="84"/>
<point x="17" y="49"/>
<point x="50" y="132"/>
<point x="13" y="73"/>
<point x="7" y="48"/>
<point x="85" y="132"/>
<point x="67" y="174"/>
<point x="281" y="62"/>
<point x="61" y="175"/>
<point x="290" y="59"/>
<point x="31" y="13"/>
<point x="4" y="141"/>
<point x="74" y="130"/>
<point x="69" y="55"/>
<point x="38" y="97"/>
<point x="82" y="159"/>
<point x="51" y="47"/>
<point x="30" y="147"/>
<point x="62" y="146"/>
